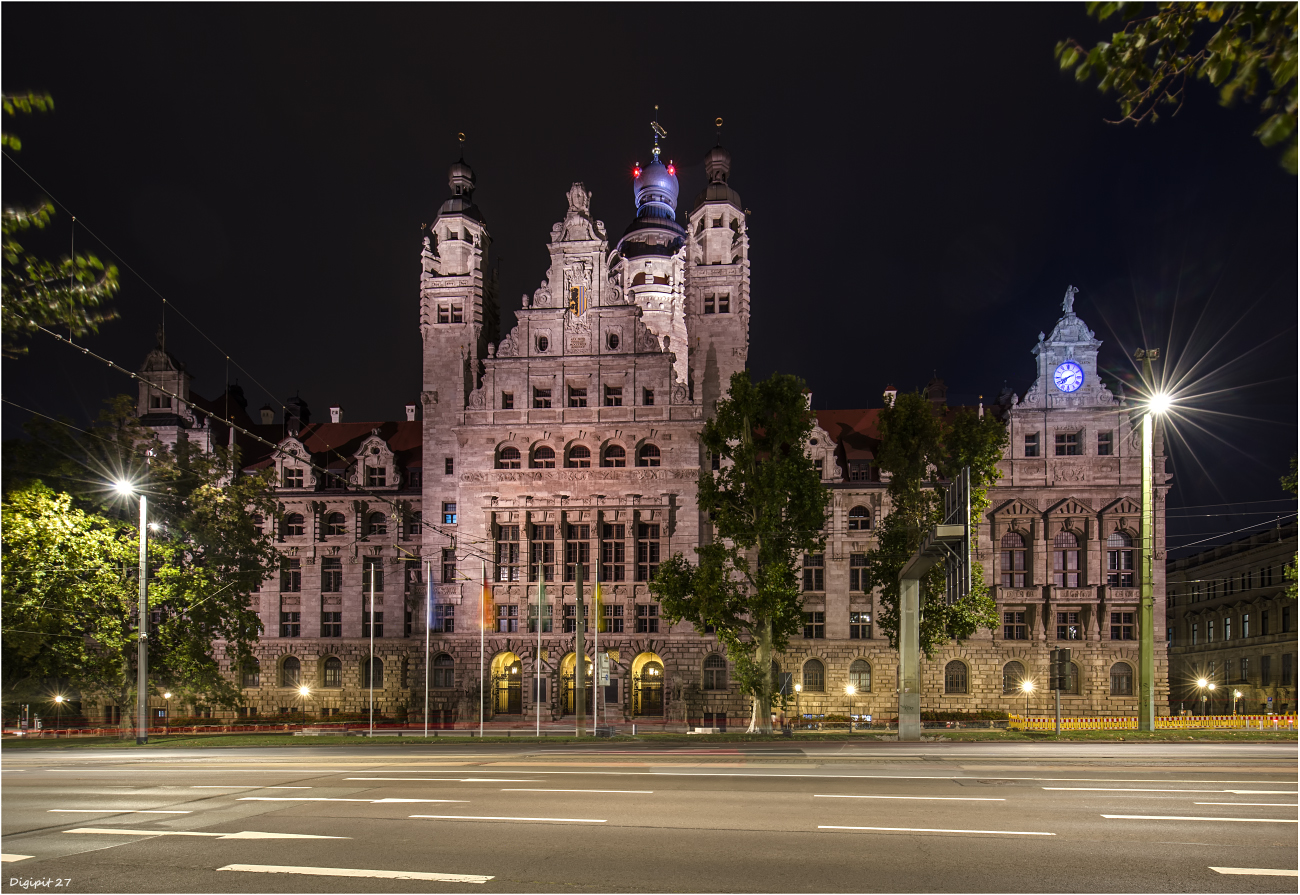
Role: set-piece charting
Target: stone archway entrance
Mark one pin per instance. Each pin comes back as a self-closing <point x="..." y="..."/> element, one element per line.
<point x="507" y="684"/>
<point x="648" y="686"/>
<point x="568" y="704"/>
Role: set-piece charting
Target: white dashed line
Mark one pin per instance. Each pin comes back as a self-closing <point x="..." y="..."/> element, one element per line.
<point x="7" y="859"/>
<point x="243" y="834"/>
<point x="322" y="799"/>
<point x="1244" y="820"/>
<point x="923" y="798"/>
<point x="565" y="820"/>
<point x="645" y="792"/>
<point x="1253" y="871"/>
<point x="348" y="871"/>
<point x="925" y="830"/>
<point x="111" y="811"/>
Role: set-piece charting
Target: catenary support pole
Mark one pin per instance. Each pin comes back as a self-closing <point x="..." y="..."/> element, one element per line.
<point x="1058" y="710"/>
<point x="579" y="660"/>
<point x="428" y="629"/>
<point x="909" y="659"/>
<point x="482" y="647"/>
<point x="370" y="672"/>
<point x="537" y="680"/>
<point x="1146" y="617"/>
<point x="142" y="644"/>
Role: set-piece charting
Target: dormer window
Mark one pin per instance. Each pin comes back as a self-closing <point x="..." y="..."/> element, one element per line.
<point x="292" y="477"/>
<point x="376" y="476"/>
<point x="160" y="402"/>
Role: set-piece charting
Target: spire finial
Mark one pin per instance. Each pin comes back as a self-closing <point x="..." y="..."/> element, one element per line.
<point x="659" y="132"/>
<point x="718" y="124"/>
<point x="461" y="138"/>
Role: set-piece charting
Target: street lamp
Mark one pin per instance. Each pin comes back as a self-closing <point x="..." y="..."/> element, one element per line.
<point x="1157" y="403"/>
<point x="167" y="714"/>
<point x="1236" y="694"/>
<point x="303" y="692"/>
<point x="850" y="690"/>
<point x="126" y="489"/>
<point x="58" y="714"/>
<point x="1202" y="685"/>
<point x="798" y="688"/>
<point x="1026" y="687"/>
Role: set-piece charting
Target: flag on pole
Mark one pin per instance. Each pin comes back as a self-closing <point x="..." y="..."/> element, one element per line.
<point x="489" y="613"/>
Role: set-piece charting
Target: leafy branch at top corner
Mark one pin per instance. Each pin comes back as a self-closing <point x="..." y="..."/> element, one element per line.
<point x="1148" y="62"/>
<point x="27" y="103"/>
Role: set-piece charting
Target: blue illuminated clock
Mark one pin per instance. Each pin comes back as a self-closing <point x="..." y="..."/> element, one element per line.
<point x="1068" y="376"/>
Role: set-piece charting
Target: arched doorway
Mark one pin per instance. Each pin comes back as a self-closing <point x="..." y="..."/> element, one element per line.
<point x="507" y="684"/>
<point x="648" y="686"/>
<point x="567" y="667"/>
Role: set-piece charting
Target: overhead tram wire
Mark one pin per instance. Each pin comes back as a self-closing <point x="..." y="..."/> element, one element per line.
<point x="1226" y="533"/>
<point x="454" y="537"/>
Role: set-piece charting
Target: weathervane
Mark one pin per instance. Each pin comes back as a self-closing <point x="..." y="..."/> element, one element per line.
<point x="659" y="132"/>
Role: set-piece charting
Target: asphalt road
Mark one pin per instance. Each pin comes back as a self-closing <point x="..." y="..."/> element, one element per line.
<point x="835" y="817"/>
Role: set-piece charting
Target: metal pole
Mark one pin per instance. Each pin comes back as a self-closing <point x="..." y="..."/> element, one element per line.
<point x="1058" y="711"/>
<point x="909" y="660"/>
<point x="1146" y="621"/>
<point x="370" y="674"/>
<point x="537" y="679"/>
<point x="595" y="657"/>
<point x="580" y="659"/>
<point x="482" y="646"/>
<point x="428" y="628"/>
<point x="142" y="642"/>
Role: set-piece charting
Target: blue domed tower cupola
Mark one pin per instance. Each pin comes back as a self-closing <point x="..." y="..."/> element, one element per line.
<point x="655" y="188"/>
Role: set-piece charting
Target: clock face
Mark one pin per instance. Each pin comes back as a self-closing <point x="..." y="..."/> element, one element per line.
<point x="1068" y="376"/>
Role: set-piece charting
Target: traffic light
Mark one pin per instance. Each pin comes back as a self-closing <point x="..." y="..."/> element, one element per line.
<point x="1060" y="670"/>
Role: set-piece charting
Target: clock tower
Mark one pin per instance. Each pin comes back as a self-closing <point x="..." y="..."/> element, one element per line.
<point x="1067" y="365"/>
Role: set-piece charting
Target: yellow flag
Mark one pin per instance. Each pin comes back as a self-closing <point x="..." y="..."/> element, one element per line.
<point x="600" y="612"/>
<point x="489" y="620"/>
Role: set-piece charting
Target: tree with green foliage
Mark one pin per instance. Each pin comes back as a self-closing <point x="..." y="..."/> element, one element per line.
<point x="768" y="507"/>
<point x="71" y="561"/>
<point x="920" y="445"/>
<point x="1234" y="46"/>
<point x="68" y="293"/>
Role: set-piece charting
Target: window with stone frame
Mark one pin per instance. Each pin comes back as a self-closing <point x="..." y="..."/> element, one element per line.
<point x="541" y="552"/>
<point x="647" y="550"/>
<point x="1015" y="560"/>
<point x="292" y="477"/>
<point x="1119" y="560"/>
<point x="647" y="397"/>
<point x="1067" y="626"/>
<point x="507" y="400"/>
<point x="859" y="519"/>
<point x="1243" y="669"/>
<point x="252" y="674"/>
<point x="333" y="677"/>
<point x="724" y="303"/>
<point x="858" y="572"/>
<point x="1227" y="628"/>
<point x="1245" y="625"/>
<point x="331" y="575"/>
<point x="814" y="625"/>
<point x="372" y="574"/>
<point x="1105" y="443"/>
<point x="331" y="624"/>
<point x="457" y="314"/>
<point x="859" y="625"/>
<point x="1031" y="444"/>
<point x="507" y="618"/>
<point x="336" y="524"/>
<point x="860" y="471"/>
<point x="1121" y="626"/>
<point x="860" y="675"/>
<point x="613" y="618"/>
<point x="377" y="524"/>
<point x="290" y="624"/>
<point x="1068" y="444"/>
<point x="613" y="396"/>
<point x="577" y="552"/>
<point x="365" y="623"/>
<point x="372" y="671"/>
<point x="614" y="456"/>
<point x="376" y="476"/>
<point x="709" y="303"/>
<point x="546" y="618"/>
<point x="444" y="618"/>
<point x="715" y="672"/>
<point x="541" y="398"/>
<point x="814" y="572"/>
<point x="294" y="525"/>
<point x="444" y="313"/>
<point x="577" y="397"/>
<point x="1013" y="674"/>
<point x="579" y="457"/>
<point x="1209" y="630"/>
<point x="160" y="402"/>
<point x="648" y="455"/>
<point x="444" y="672"/>
<point x="509" y="458"/>
<point x="448" y="565"/>
<point x="414" y="479"/>
<point x="1121" y="679"/>
<point x="1066" y="560"/>
<point x="647" y="618"/>
<point x="291" y="672"/>
<point x="570" y="618"/>
<point x="814" y="676"/>
<point x="415" y="524"/>
<point x="1288" y="662"/>
<point x="507" y="553"/>
<point x="955" y="677"/>
<point x="543" y="457"/>
<point x="290" y="575"/>
<point x="1013" y="625"/>
<point x="449" y="513"/>
<point x="413" y="577"/>
<point x="613" y="552"/>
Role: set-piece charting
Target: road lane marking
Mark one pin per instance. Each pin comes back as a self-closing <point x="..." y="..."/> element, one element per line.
<point x="1248" y="820"/>
<point x="566" y="820"/>
<point x="448" y="779"/>
<point x="1255" y="804"/>
<point x="111" y="811"/>
<point x="7" y="859"/>
<point x="229" y="786"/>
<point x="243" y="834"/>
<point x="925" y="830"/>
<point x="1253" y="871"/>
<point x="1125" y="789"/>
<point x="286" y="787"/>
<point x="348" y="871"/>
<point x="923" y="798"/>
<point x="1263" y="792"/>
<point x="644" y="792"/>
<point x="324" y="799"/>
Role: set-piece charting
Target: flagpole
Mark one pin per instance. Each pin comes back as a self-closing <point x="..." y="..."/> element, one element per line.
<point x="482" y="644"/>
<point x="537" y="681"/>
<point x="428" y="628"/>
<point x="371" y="673"/>
<point x="595" y="655"/>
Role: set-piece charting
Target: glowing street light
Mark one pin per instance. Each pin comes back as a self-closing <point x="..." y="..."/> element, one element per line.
<point x="1027" y="687"/>
<point x="126" y="489"/>
<point x="58" y="714"/>
<point x="1158" y="403"/>
<point x="850" y="690"/>
<point x="798" y="688"/>
<point x="167" y="713"/>
<point x="1236" y="694"/>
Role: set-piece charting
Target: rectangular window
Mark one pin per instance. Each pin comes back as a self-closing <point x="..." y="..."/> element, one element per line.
<point x="376" y="476"/>
<point x="647" y="618"/>
<point x="457" y="315"/>
<point x="507" y="553"/>
<point x="290" y="625"/>
<point x="1209" y="631"/>
<point x="1287" y="659"/>
<point x="647" y="551"/>
<point x="708" y="304"/>
<point x="1243" y="671"/>
<point x="613" y="396"/>
<point x="331" y="624"/>
<point x="814" y="625"/>
<point x="857" y="572"/>
<point x="448" y="565"/>
<point x="1065" y="564"/>
<point x="444" y="618"/>
<point x="160" y="402"/>
<point x="1227" y="629"/>
<point x="814" y="571"/>
<point x="577" y="552"/>
<point x="365" y="624"/>
<point x="546" y="618"/>
<point x="860" y="471"/>
<point x="1266" y="576"/>
<point x="1067" y="626"/>
<point x="542" y="552"/>
<point x="290" y="575"/>
<point x="1286" y="619"/>
<point x="1031" y="445"/>
<point x="724" y="303"/>
<point x="577" y="397"/>
<point x="859" y="625"/>
<point x="331" y="575"/>
<point x="1263" y="622"/>
<point x="444" y="314"/>
<point x="1105" y="444"/>
<point x="414" y="524"/>
<point x="1266" y="671"/>
<point x="508" y="619"/>
<point x="448" y="466"/>
<point x="570" y="618"/>
<point x="541" y="398"/>
<point x="292" y="478"/>
<point x="372" y="570"/>
<point x="1013" y="626"/>
<point x="1196" y="632"/>
<point x="613" y="552"/>
<point x="507" y="401"/>
<point x="413" y="577"/>
<point x="414" y="478"/>
<point x="1014" y="562"/>
<point x="1067" y="444"/>
<point x="715" y="461"/>
<point x="613" y="618"/>
<point x="1121" y="626"/>
<point x="648" y="397"/>
<point x="449" y="513"/>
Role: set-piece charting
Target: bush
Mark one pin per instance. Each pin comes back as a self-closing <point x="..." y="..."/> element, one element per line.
<point x="964" y="716"/>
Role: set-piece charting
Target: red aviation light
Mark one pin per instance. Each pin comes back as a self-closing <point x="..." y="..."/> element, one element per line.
<point x="636" y="171"/>
<point x="672" y="170"/>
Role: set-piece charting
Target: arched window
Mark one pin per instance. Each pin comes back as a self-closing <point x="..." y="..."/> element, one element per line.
<point x="543" y="458"/>
<point x="1072" y="682"/>
<point x="294" y="524"/>
<point x="859" y="519"/>
<point x="374" y="667"/>
<point x="1065" y="559"/>
<point x="639" y="279"/>
<point x="1121" y="679"/>
<point x="291" y="673"/>
<point x="579" y="457"/>
<point x="715" y="673"/>
<point x="1119" y="560"/>
<point x="860" y="675"/>
<point x="333" y="672"/>
<point x="444" y="668"/>
<point x="648" y="455"/>
<point x="614" y="456"/>
<point x="1013" y="674"/>
<point x="1014" y="560"/>
<point x="378" y="524"/>
<point x="508" y="458"/>
<point x="336" y="524"/>
<point x="954" y="677"/>
<point x="814" y="676"/>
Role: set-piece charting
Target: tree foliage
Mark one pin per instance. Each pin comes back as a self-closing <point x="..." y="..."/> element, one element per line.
<point x="919" y="445"/>
<point x="68" y="293"/>
<point x="71" y="560"/>
<point x="1234" y="46"/>
<point x="768" y="508"/>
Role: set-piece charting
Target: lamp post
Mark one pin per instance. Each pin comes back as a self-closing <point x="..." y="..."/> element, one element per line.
<point x="303" y="692"/>
<point x="1026" y="687"/>
<point x="850" y="690"/>
<point x="167" y="714"/>
<point x="126" y="489"/>
<point x="798" y="688"/>
<point x="1202" y="685"/>
<point x="58" y="714"/>
<point x="1157" y="404"/>
<point x="1236" y="694"/>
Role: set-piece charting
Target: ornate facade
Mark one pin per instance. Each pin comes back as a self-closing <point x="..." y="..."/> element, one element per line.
<point x="569" y="447"/>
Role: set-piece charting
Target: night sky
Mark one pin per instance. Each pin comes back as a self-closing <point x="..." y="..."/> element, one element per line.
<point x="923" y="184"/>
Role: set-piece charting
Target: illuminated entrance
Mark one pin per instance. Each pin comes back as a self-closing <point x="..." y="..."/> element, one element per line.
<point x="648" y="686"/>
<point x="567" y="666"/>
<point x="507" y="684"/>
